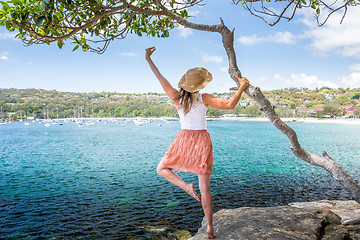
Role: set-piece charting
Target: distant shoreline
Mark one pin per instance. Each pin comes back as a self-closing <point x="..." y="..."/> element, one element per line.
<point x="349" y="121"/>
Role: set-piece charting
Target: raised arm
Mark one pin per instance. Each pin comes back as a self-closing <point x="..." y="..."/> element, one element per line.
<point x="169" y="90"/>
<point x="220" y="103"/>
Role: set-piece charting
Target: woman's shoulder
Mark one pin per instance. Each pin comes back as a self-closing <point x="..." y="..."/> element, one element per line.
<point x="206" y="96"/>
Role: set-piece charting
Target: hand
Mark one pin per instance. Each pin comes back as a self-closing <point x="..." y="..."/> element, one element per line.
<point x="149" y="51"/>
<point x="243" y="81"/>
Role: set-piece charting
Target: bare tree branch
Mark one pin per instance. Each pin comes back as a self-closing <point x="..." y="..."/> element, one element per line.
<point x="288" y="11"/>
<point x="255" y="93"/>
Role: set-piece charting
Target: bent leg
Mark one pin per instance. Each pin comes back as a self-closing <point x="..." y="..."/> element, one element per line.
<point x="175" y="179"/>
<point x="207" y="202"/>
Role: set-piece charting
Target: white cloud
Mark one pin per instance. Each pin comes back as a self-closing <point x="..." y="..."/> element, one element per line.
<point x="8" y="36"/>
<point x="355" y="67"/>
<point x="294" y="80"/>
<point x="184" y="32"/>
<point x="278" y="37"/>
<point x="4" y="56"/>
<point x="312" y="81"/>
<point x="194" y="13"/>
<point x="250" y="40"/>
<point x="29" y="63"/>
<point x="352" y="80"/>
<point x="128" y="54"/>
<point x="283" y="37"/>
<point x="209" y="58"/>
<point x="342" y="39"/>
<point x="224" y="69"/>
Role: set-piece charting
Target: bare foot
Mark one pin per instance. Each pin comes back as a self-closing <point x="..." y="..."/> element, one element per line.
<point x="191" y="192"/>
<point x="211" y="235"/>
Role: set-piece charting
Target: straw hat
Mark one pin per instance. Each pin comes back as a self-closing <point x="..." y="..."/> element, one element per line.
<point x="195" y="79"/>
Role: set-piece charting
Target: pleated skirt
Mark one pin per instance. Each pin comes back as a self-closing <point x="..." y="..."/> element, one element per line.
<point x="191" y="151"/>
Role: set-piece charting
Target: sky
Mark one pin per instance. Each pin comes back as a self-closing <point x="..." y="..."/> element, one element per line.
<point x="290" y="54"/>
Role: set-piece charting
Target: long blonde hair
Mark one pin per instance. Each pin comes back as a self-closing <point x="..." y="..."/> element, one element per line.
<point x="187" y="99"/>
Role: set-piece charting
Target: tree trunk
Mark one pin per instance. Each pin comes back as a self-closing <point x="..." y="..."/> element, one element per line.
<point x="325" y="162"/>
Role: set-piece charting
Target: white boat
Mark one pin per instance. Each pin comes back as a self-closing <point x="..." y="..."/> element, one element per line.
<point x="26" y="123"/>
<point x="2" y="119"/>
<point x="89" y="123"/>
<point x="47" y="124"/>
<point x="140" y="122"/>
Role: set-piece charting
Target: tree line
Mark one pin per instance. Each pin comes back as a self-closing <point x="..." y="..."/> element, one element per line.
<point x="289" y="102"/>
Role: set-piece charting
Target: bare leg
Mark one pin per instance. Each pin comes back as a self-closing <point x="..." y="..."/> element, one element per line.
<point x="207" y="203"/>
<point x="172" y="177"/>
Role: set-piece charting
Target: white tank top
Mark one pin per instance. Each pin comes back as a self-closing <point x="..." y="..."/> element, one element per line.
<point x="196" y="118"/>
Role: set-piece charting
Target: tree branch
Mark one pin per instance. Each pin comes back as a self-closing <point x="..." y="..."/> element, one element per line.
<point x="291" y="7"/>
<point x="255" y="93"/>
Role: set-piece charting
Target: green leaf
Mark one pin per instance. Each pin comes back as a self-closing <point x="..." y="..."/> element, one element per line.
<point x="40" y="20"/>
<point x="76" y="47"/>
<point x="85" y="47"/>
<point x="318" y="11"/>
<point x="8" y="25"/>
<point x="42" y="5"/>
<point x="5" y="6"/>
<point x="166" y="33"/>
<point x="17" y="2"/>
<point x="60" y="44"/>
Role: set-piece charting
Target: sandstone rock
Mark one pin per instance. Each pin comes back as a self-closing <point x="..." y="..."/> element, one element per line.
<point x="156" y="229"/>
<point x="315" y="220"/>
<point x="180" y="235"/>
<point x="348" y="211"/>
<point x="281" y="223"/>
<point x="354" y="232"/>
<point x="335" y="232"/>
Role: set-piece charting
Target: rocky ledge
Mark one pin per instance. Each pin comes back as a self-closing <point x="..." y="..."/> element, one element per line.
<point x="325" y="219"/>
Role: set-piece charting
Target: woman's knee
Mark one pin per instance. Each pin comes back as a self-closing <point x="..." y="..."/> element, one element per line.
<point x="204" y="189"/>
<point x="159" y="169"/>
<point x="204" y="184"/>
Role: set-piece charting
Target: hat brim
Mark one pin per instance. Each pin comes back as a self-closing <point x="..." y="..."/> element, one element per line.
<point x="195" y="87"/>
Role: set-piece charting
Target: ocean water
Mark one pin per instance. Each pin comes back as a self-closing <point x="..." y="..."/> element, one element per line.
<point x="100" y="182"/>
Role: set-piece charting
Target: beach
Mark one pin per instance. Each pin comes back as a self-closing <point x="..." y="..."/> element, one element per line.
<point x="350" y="121"/>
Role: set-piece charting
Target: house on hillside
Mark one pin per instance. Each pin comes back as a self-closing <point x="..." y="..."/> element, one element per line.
<point x="247" y="102"/>
<point x="305" y="102"/>
<point x="349" y="110"/>
<point x="283" y="104"/>
<point x="330" y="96"/>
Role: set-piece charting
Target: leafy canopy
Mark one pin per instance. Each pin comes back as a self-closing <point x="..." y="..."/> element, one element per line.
<point x="84" y="21"/>
<point x="89" y="22"/>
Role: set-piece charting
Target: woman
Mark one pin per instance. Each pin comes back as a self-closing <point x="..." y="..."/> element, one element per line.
<point x="191" y="150"/>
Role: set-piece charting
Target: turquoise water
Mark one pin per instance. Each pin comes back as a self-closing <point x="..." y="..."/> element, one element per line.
<point x="99" y="182"/>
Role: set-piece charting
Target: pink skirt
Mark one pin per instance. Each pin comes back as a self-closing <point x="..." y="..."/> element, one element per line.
<point x="191" y="151"/>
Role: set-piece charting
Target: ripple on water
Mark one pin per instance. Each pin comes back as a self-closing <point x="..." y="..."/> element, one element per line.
<point x="100" y="182"/>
